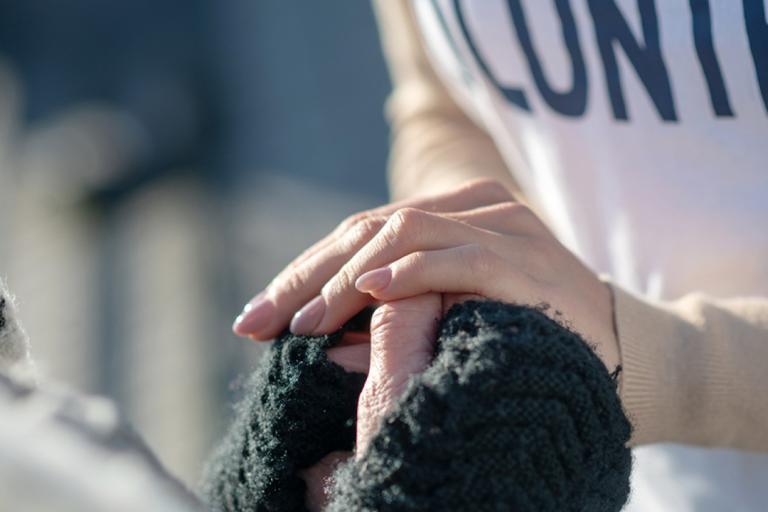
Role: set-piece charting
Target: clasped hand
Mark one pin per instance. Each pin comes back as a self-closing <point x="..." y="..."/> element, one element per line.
<point x="416" y="258"/>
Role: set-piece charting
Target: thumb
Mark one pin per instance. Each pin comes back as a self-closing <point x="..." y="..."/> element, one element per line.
<point x="403" y="333"/>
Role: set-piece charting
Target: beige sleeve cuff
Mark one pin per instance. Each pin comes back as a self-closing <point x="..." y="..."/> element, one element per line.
<point x="694" y="370"/>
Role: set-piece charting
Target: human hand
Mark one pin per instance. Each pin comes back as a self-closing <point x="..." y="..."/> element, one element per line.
<point x="503" y="251"/>
<point x="400" y="345"/>
<point x="475" y="239"/>
<point x="267" y="314"/>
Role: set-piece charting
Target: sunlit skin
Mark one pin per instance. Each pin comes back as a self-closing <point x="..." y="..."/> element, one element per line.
<point x="415" y="258"/>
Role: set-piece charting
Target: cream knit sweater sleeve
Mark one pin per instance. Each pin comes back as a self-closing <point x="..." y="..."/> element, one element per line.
<point x="694" y="370"/>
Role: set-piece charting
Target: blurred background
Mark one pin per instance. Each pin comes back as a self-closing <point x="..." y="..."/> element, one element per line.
<point x="160" y="161"/>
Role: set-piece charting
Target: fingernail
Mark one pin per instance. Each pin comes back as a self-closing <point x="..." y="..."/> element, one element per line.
<point x="256" y="315"/>
<point x="307" y="318"/>
<point x="374" y="280"/>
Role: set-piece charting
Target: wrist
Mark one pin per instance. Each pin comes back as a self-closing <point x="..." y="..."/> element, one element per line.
<point x="671" y="384"/>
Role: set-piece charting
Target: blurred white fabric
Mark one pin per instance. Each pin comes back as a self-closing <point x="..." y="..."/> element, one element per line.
<point x="65" y="452"/>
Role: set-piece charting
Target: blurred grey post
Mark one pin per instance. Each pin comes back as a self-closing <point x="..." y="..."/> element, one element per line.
<point x="140" y="329"/>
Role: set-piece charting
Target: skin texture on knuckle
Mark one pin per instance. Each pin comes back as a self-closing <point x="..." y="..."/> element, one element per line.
<point x="392" y="315"/>
<point x="365" y="229"/>
<point x="407" y="325"/>
<point x="343" y="280"/>
<point x="351" y="221"/>
<point x="360" y="235"/>
<point x="404" y="224"/>
<point x="406" y="220"/>
<point x="289" y="283"/>
<point x="383" y="319"/>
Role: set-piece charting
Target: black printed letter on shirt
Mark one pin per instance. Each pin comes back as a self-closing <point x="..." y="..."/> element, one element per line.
<point x="705" y="49"/>
<point x="757" y="31"/>
<point x="512" y="94"/>
<point x="612" y="28"/>
<point x="574" y="101"/>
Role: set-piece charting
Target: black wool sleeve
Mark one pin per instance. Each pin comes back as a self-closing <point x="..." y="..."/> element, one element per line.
<point x="298" y="407"/>
<point x="515" y="413"/>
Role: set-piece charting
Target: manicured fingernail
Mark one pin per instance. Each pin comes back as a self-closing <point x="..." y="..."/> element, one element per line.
<point x="374" y="280"/>
<point x="256" y="315"/>
<point x="307" y="318"/>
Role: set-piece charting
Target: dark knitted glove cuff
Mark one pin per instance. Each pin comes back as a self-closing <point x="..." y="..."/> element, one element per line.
<point x="298" y="408"/>
<point x="515" y="413"/>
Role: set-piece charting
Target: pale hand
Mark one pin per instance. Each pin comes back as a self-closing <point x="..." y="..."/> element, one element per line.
<point x="474" y="239"/>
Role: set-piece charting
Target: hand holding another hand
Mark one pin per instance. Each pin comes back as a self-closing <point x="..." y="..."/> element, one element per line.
<point x="474" y="239"/>
<point x="417" y="258"/>
<point x="401" y="344"/>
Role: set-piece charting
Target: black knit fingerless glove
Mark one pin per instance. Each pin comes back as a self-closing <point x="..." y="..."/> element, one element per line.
<point x="298" y="407"/>
<point x="515" y="413"/>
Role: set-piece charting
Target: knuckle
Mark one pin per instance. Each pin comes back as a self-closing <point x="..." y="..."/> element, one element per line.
<point x="343" y="280"/>
<point x="406" y="218"/>
<point x="347" y="225"/>
<point x="375" y="223"/>
<point x="288" y="283"/>
<point x="397" y="323"/>
<point x="404" y="222"/>
<point x="382" y="318"/>
<point x="365" y="229"/>
<point x="361" y="224"/>
<point x="352" y="220"/>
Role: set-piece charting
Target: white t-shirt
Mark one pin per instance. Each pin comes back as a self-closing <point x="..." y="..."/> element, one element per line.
<point x="640" y="129"/>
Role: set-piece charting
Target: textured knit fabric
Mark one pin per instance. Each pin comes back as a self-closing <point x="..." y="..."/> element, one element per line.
<point x="515" y="413"/>
<point x="299" y="406"/>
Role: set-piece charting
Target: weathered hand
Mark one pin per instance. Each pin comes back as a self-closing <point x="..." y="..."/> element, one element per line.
<point x="401" y="344"/>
